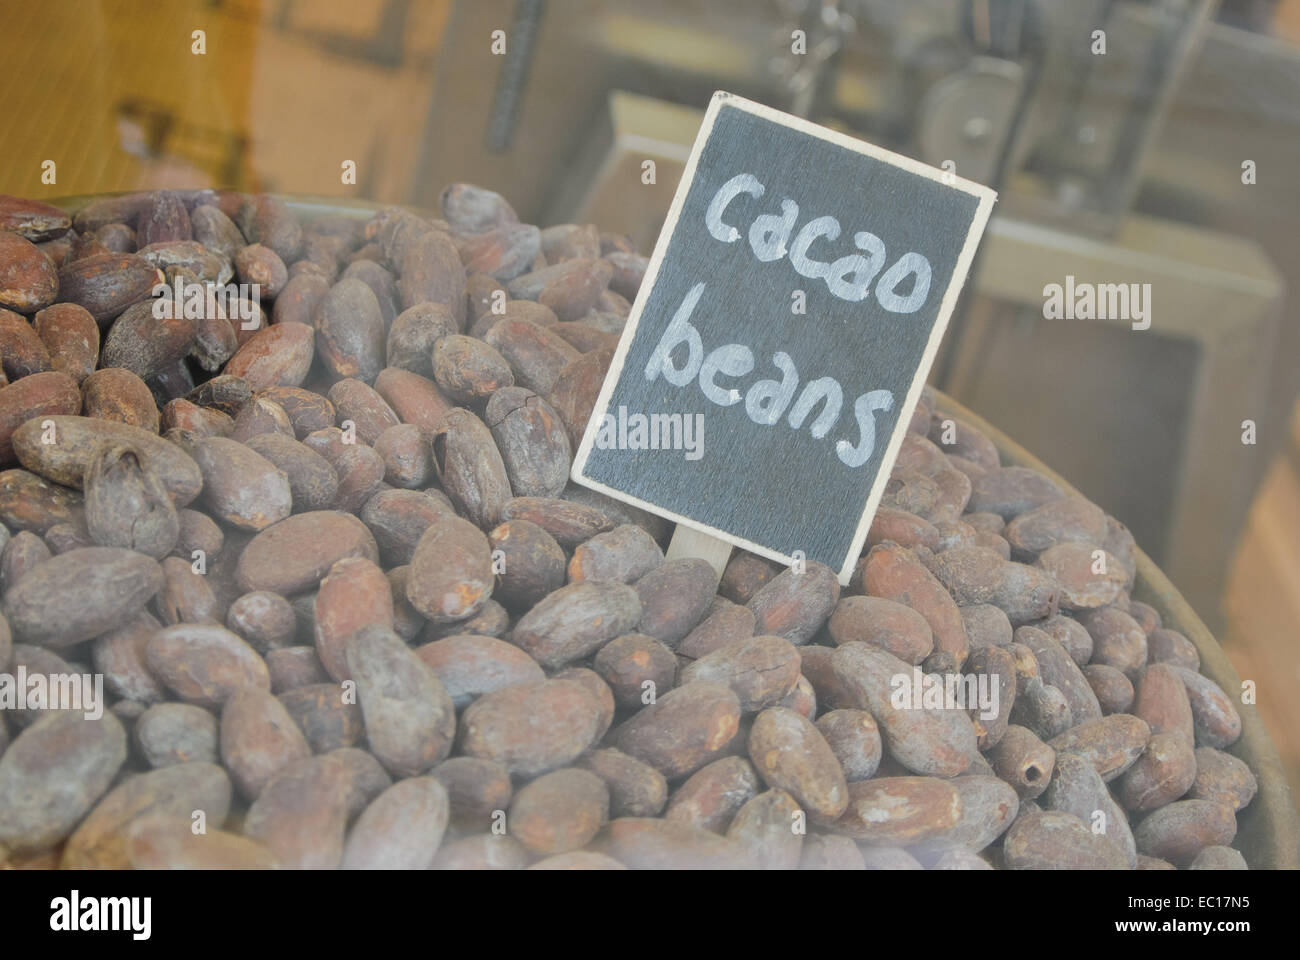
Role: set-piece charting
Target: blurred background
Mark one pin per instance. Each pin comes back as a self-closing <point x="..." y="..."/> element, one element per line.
<point x="1168" y="159"/>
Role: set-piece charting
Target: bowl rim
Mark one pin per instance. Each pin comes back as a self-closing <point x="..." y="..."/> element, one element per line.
<point x="1268" y="829"/>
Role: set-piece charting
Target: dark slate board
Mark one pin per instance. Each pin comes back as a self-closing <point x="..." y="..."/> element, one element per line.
<point x="774" y="489"/>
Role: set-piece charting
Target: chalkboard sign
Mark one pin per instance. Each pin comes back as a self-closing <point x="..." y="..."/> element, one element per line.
<point x="782" y="335"/>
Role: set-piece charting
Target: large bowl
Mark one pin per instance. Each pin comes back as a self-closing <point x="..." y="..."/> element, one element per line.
<point x="1268" y="832"/>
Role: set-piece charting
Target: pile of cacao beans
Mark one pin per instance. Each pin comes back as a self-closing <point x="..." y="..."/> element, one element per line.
<point x="321" y="548"/>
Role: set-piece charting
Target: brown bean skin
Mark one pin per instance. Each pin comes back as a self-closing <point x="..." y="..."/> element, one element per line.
<point x="795" y="603"/>
<point x="535" y="354"/>
<point x="167" y="843"/>
<point x="571" y="524"/>
<point x="1170" y="646"/>
<point x="31" y="397"/>
<point x="1113" y="689"/>
<point x="354" y="595"/>
<point x="532" y="440"/>
<point x="31" y="219"/>
<point x="761" y="670"/>
<point x="831" y="852"/>
<point x="407" y="461"/>
<point x="533" y="563"/>
<point x="71" y="335"/>
<point x="1179" y="831"/>
<point x="559" y="811"/>
<point x="1162" y="702"/>
<point x="52" y="774"/>
<point x="745" y="575"/>
<point x="576" y="621"/>
<point x="186" y="596"/>
<point x="599" y="690"/>
<point x="711" y="796"/>
<point x="636" y="789"/>
<point x="415" y="333"/>
<point x="1216" y="721"/>
<point x="675" y="596"/>
<point x="205" y="664"/>
<point x="1059" y="670"/>
<point x="430" y="270"/>
<point x="113" y="583"/>
<point x="900" y="810"/>
<point x="477" y="789"/>
<point x="294" y="554"/>
<point x="625" y="553"/>
<point x="258" y="739"/>
<point x="683" y="730"/>
<point x="22" y="553"/>
<point x="106" y="284"/>
<point x="469" y="666"/>
<point x="1163" y="773"/>
<point x="29" y="281"/>
<point x="1117" y="640"/>
<point x="1223" y="778"/>
<point x="240" y="486"/>
<point x="260" y="417"/>
<point x="307" y="411"/>
<point x="118" y="395"/>
<point x="487" y="851"/>
<point x="725" y="623"/>
<point x="294" y="667"/>
<point x="854" y="739"/>
<point x="172" y="733"/>
<point x="576" y="388"/>
<point x="267" y="220"/>
<point x="468" y="370"/>
<point x="280" y="355"/>
<point x="896" y="574"/>
<point x="313" y="483"/>
<point x="531" y="728"/>
<point x="637" y="667"/>
<point x="350" y="331"/>
<point x="802" y="698"/>
<point x="1046" y="840"/>
<point x="926" y="741"/>
<point x="142" y="342"/>
<point x="176" y="791"/>
<point x="301" y="815"/>
<point x="402" y="828"/>
<point x="790" y="753"/>
<point x="888" y="624"/>
<point x="327" y="720"/>
<point x="1110" y="744"/>
<point x="127" y="504"/>
<point x="650" y="844"/>
<point x="470" y="467"/>
<point x="451" y="571"/>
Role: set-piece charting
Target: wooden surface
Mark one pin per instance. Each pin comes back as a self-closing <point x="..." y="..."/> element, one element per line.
<point x="1262" y="603"/>
<point x="776" y="489"/>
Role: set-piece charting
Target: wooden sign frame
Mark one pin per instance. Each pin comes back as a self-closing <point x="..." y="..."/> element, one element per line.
<point x="984" y="197"/>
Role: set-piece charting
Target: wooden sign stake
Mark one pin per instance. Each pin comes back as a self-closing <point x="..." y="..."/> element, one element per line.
<point x="689" y="542"/>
